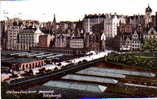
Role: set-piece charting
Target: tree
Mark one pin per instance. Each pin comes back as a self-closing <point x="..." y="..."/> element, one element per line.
<point x="150" y="44"/>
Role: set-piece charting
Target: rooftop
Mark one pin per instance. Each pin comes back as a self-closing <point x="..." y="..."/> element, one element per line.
<point x="122" y="72"/>
<point x="13" y="60"/>
<point x="76" y="85"/>
<point x="90" y="79"/>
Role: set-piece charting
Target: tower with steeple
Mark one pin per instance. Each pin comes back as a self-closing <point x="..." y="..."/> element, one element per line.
<point x="54" y="19"/>
<point x="54" y="23"/>
<point x="148" y="12"/>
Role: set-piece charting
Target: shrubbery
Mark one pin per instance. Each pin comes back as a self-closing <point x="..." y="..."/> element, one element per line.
<point x="143" y="60"/>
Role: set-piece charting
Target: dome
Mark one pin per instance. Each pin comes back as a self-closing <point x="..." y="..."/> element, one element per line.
<point x="148" y="9"/>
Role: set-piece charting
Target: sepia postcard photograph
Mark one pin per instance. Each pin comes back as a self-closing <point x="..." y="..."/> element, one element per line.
<point x="78" y="49"/>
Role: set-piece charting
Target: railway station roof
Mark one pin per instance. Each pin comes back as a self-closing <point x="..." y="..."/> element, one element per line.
<point x="76" y="85"/>
<point x="90" y="79"/>
<point x="125" y="72"/>
<point x="99" y="73"/>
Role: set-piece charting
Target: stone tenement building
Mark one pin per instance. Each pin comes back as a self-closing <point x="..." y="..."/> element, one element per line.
<point x="91" y="20"/>
<point x="110" y="23"/>
<point x="11" y="29"/>
<point x="28" y="38"/>
<point x="46" y="40"/>
<point x="3" y="35"/>
<point x="12" y="33"/>
<point x="110" y="26"/>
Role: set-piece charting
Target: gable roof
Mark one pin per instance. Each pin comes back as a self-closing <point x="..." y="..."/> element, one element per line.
<point x="152" y="31"/>
<point x="38" y="31"/>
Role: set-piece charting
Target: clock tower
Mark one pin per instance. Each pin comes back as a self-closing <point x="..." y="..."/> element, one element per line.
<point x="148" y="18"/>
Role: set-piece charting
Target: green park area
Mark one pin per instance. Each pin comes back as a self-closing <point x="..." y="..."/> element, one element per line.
<point x="146" y="60"/>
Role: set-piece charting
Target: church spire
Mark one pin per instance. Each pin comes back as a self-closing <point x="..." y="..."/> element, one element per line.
<point x="148" y="9"/>
<point x="54" y="23"/>
<point x="54" y="18"/>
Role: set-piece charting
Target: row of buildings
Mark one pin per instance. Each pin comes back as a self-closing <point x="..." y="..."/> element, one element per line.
<point x="127" y="41"/>
<point x="94" y="32"/>
<point x="132" y="36"/>
<point x="16" y="33"/>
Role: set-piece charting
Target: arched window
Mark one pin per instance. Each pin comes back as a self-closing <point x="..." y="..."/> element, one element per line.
<point x="22" y="67"/>
<point x="36" y="64"/>
<point x="30" y="66"/>
<point x="26" y="66"/>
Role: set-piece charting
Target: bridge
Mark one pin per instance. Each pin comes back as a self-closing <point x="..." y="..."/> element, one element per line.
<point x="40" y="79"/>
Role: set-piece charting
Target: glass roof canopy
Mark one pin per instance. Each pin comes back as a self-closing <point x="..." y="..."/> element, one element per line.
<point x="100" y="73"/>
<point x="38" y="55"/>
<point x="90" y="78"/>
<point x="77" y="86"/>
<point x="118" y="71"/>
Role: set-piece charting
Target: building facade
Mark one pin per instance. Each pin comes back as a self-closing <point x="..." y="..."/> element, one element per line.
<point x="90" y="20"/>
<point x="115" y="24"/>
<point x="108" y="26"/>
<point x="12" y="33"/>
<point x="111" y="24"/>
<point x="28" y="38"/>
<point x="135" y="41"/>
<point x="127" y="41"/>
<point x="148" y="18"/>
<point x="45" y="40"/>
<point x="151" y="34"/>
<point x="103" y="41"/>
<point x="3" y="35"/>
<point x="125" y="28"/>
<point x="30" y="65"/>
<point x="125" y="45"/>
<point x="62" y="40"/>
<point x="77" y="43"/>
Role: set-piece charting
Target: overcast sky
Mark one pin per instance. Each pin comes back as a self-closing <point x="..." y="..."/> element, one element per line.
<point x="72" y="10"/>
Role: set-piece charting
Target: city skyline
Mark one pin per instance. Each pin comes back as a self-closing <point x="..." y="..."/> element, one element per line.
<point x="70" y="10"/>
<point x="85" y="50"/>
